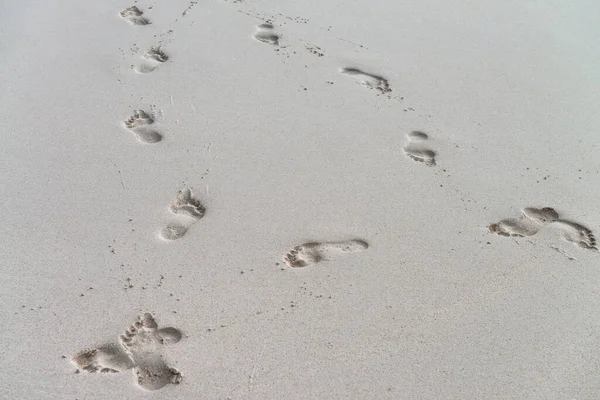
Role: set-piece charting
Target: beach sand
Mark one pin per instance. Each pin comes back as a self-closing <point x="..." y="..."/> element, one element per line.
<point x="293" y="123"/>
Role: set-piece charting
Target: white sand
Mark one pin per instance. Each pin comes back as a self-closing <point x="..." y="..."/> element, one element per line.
<point x="436" y="308"/>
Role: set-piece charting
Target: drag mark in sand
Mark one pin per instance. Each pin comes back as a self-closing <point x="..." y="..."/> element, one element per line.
<point x="312" y="253"/>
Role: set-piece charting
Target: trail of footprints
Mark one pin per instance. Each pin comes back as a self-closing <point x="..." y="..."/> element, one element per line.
<point x="138" y="348"/>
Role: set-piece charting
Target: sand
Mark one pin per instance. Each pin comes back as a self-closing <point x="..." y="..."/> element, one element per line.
<point x="291" y="125"/>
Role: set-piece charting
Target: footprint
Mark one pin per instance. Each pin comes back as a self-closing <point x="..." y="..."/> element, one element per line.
<point x="266" y="33"/>
<point x="138" y="348"/>
<point x="417" y="151"/>
<point x="368" y="80"/>
<point x="151" y="60"/>
<point x="107" y="358"/>
<point x="173" y="231"/>
<point x="534" y="219"/>
<point x="133" y="15"/>
<point x="184" y="204"/>
<point x="138" y="124"/>
<point x="312" y="253"/>
<point x="143" y="341"/>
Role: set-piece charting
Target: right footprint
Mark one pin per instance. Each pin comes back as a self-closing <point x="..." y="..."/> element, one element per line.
<point x="416" y="150"/>
<point x="368" y="80"/>
<point x="185" y="204"/>
<point x="138" y="124"/>
<point x="151" y="60"/>
<point x="133" y="15"/>
<point x="266" y="33"/>
<point x="533" y="220"/>
<point x="312" y="253"/>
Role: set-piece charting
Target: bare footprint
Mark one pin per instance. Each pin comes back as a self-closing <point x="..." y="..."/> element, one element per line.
<point x="139" y="123"/>
<point x="133" y="15"/>
<point x="416" y="150"/>
<point x="107" y="358"/>
<point x="143" y="341"/>
<point x="138" y="348"/>
<point x="151" y="60"/>
<point x="184" y="204"/>
<point x="312" y="253"/>
<point x="187" y="205"/>
<point x="266" y="33"/>
<point x="368" y="80"/>
<point x="173" y="231"/>
<point x="535" y="219"/>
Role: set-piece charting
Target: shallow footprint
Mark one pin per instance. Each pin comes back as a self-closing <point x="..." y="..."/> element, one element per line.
<point x="266" y="33"/>
<point x="108" y="358"/>
<point x="173" y="231"/>
<point x="416" y="150"/>
<point x="152" y="59"/>
<point x="133" y="15"/>
<point x="368" y="80"/>
<point x="139" y="123"/>
<point x="312" y="253"/>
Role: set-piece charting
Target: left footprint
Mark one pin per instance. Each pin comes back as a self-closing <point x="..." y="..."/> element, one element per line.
<point x="139" y="123"/>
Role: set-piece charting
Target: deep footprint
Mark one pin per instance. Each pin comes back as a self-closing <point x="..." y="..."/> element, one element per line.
<point x="312" y="253"/>
<point x="535" y="219"/>
<point x="368" y="80"/>
<point x="266" y="33"/>
<point x="133" y="15"/>
<point x="416" y="150"/>
<point x="152" y="59"/>
<point x="139" y="123"/>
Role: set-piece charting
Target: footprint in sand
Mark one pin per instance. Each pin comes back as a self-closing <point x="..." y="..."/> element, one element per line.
<point x="133" y="15"/>
<point x="138" y="348"/>
<point x="416" y="150"/>
<point x="368" y="80"/>
<point x="312" y="253"/>
<point x="266" y="33"/>
<point x="185" y="204"/>
<point x="533" y="220"/>
<point x="151" y="60"/>
<point x="139" y="123"/>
